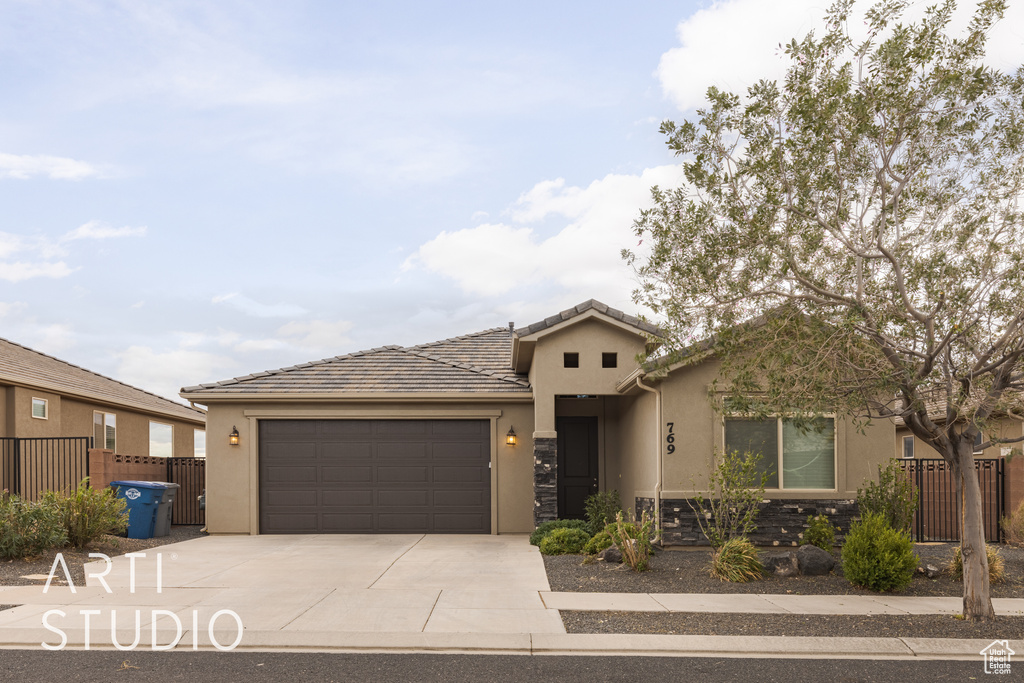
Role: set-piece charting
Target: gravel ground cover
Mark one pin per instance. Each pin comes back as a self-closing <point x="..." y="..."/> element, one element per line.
<point x="686" y="571"/>
<point x="877" y="626"/>
<point x="13" y="572"/>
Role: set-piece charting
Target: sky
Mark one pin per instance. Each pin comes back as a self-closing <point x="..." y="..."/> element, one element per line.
<point x="193" y="191"/>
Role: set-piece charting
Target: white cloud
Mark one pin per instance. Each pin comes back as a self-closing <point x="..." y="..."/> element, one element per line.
<point x="317" y="334"/>
<point x="581" y="259"/>
<point x="12" y="308"/>
<point x="25" y="166"/>
<point x="98" y="230"/>
<point x="257" y="309"/>
<point x="165" y="372"/>
<point x="19" y="270"/>
<point x="734" y="43"/>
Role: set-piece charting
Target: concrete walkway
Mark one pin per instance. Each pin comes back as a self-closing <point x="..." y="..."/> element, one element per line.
<point x="404" y="593"/>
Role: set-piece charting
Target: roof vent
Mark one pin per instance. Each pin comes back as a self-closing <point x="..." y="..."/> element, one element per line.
<point x="511" y="327"/>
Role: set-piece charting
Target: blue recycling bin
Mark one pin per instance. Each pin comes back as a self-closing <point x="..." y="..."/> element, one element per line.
<point x="143" y="498"/>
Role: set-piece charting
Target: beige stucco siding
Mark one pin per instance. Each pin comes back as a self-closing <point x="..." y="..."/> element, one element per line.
<point x="590" y="339"/>
<point x="232" y="472"/>
<point x="700" y="434"/>
<point x="632" y="454"/>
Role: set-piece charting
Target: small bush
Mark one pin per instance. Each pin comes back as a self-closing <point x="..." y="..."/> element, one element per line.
<point x="547" y="527"/>
<point x="564" y="541"/>
<point x="734" y="495"/>
<point x="878" y="557"/>
<point x="820" y="532"/>
<point x="894" y="497"/>
<point x="28" y="529"/>
<point x="598" y="542"/>
<point x="633" y="539"/>
<point x="1013" y="526"/>
<point x="996" y="566"/>
<point x="87" y="513"/>
<point x="601" y="509"/>
<point x="737" y="561"/>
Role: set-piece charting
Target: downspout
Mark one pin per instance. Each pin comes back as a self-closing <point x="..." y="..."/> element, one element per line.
<point x="657" y="417"/>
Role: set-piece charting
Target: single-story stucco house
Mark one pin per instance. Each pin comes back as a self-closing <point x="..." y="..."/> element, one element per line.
<point x="496" y="431"/>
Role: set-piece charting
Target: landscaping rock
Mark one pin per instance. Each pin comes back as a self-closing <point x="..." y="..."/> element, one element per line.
<point x="781" y="564"/>
<point x="610" y="554"/>
<point x="813" y="561"/>
<point x="930" y="570"/>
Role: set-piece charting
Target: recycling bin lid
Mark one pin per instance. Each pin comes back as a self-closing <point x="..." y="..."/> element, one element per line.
<point x="140" y="484"/>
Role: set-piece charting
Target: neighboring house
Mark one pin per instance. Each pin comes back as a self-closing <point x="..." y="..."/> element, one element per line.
<point x="42" y="396"/>
<point x="497" y="431"/>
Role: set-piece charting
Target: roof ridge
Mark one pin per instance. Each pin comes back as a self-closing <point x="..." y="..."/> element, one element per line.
<point x="460" y="337"/>
<point x="511" y="376"/>
<point x="101" y="376"/>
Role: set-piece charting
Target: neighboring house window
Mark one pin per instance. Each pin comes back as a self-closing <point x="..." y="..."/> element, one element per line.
<point x="571" y="360"/>
<point x="792" y="457"/>
<point x="199" y="450"/>
<point x="977" y="444"/>
<point x="908" y="447"/>
<point x="104" y="430"/>
<point x="40" y="409"/>
<point x="161" y="440"/>
<point x="609" y="360"/>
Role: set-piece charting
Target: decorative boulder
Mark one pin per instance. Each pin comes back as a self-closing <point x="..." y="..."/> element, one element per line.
<point x="781" y="564"/>
<point x="930" y="570"/>
<point x="610" y="554"/>
<point x="813" y="561"/>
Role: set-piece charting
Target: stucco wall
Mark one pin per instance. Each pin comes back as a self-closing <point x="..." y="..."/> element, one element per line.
<point x="232" y="505"/>
<point x="632" y="455"/>
<point x="1006" y="428"/>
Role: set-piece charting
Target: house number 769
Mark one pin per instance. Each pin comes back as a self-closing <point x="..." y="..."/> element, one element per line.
<point x="670" y="439"/>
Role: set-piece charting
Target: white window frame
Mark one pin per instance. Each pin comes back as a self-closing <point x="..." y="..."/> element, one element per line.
<point x="195" y="433"/>
<point x="162" y="424"/>
<point x="913" y="448"/>
<point x="778" y="426"/>
<point x="46" y="408"/>
<point x="104" y="423"/>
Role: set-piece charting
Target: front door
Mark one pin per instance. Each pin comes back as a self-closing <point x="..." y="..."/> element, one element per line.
<point x="577" y="464"/>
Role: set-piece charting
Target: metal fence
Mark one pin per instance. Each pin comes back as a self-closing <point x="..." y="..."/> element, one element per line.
<point x="190" y="475"/>
<point x="30" y="466"/>
<point x="938" y="509"/>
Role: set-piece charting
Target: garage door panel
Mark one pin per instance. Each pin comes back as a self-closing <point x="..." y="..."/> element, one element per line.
<point x="403" y="498"/>
<point x="340" y="474"/>
<point x="366" y="476"/>
<point x="333" y="450"/>
<point x="347" y="498"/>
<point x="306" y="474"/>
<point x="346" y="523"/>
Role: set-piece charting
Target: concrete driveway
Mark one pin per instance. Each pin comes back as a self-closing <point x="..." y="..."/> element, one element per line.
<point x="302" y="585"/>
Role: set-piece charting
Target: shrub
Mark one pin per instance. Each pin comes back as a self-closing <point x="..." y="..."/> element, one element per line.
<point x="996" y="566"/>
<point x="736" y="560"/>
<point x="894" y="497"/>
<point x="547" y="527"/>
<point x="878" y="557"/>
<point x="633" y="539"/>
<point x="1013" y="526"/>
<point x="820" y="532"/>
<point x="601" y="509"/>
<point x="28" y="529"/>
<point x="564" y="541"/>
<point x="735" y="490"/>
<point x="598" y="542"/>
<point x="88" y="513"/>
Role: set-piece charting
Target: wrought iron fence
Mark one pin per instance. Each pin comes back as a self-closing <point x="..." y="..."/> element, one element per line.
<point x="29" y="466"/>
<point x="938" y="509"/>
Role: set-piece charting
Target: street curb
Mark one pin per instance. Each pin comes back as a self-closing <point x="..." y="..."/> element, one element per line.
<point x="774" y="647"/>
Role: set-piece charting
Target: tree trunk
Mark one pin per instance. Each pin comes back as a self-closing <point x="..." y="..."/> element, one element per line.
<point x="977" y="600"/>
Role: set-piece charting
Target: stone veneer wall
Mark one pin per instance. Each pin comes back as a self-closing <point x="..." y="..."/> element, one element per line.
<point x="545" y="480"/>
<point x="779" y="523"/>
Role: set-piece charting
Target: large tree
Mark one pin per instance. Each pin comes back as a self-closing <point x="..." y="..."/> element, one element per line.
<point x="866" y="213"/>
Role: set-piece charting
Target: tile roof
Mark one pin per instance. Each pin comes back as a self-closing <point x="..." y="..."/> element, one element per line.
<point x="571" y="313"/>
<point x="23" y="366"/>
<point x="473" y="363"/>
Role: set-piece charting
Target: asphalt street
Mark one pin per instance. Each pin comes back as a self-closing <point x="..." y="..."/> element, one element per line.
<point x="27" y="666"/>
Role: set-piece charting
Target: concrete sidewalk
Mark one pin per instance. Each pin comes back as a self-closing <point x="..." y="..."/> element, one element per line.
<point x="412" y="593"/>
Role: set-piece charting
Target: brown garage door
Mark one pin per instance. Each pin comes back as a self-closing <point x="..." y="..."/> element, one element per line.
<point x="367" y="476"/>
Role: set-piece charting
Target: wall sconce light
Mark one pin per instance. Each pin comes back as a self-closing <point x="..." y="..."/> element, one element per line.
<point x="233" y="436"/>
<point x="510" y="438"/>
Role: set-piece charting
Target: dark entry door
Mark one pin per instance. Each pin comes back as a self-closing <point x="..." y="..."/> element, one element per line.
<point x="577" y="464"/>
